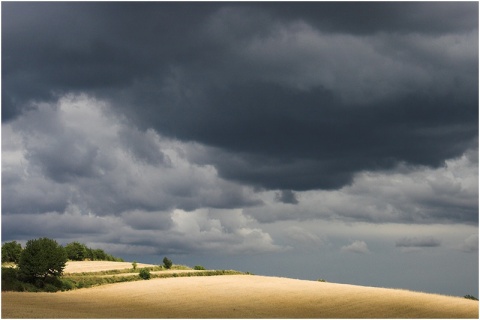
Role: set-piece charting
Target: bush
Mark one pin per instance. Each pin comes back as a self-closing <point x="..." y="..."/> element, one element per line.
<point x="144" y="274"/>
<point x="167" y="263"/>
<point x="50" y="288"/>
<point x="470" y="297"/>
<point x="199" y="268"/>
<point x="10" y="280"/>
<point x="67" y="284"/>
<point x="40" y="259"/>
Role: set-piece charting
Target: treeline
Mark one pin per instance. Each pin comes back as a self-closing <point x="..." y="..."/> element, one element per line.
<point x="40" y="264"/>
<point x="76" y="251"/>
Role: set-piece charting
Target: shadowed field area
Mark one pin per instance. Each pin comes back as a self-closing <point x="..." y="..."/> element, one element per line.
<point x="237" y="296"/>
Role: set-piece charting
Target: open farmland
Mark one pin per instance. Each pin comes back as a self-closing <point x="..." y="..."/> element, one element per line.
<point x="234" y="296"/>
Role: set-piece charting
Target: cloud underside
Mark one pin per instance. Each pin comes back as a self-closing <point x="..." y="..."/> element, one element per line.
<point x="207" y="126"/>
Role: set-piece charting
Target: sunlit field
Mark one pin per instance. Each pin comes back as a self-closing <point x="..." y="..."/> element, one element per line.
<point x="232" y="296"/>
<point x="95" y="266"/>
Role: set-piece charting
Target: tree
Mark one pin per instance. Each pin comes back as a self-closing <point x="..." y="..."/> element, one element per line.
<point x="167" y="263"/>
<point x="134" y="265"/>
<point x="76" y="251"/>
<point x="42" y="258"/>
<point x="11" y="252"/>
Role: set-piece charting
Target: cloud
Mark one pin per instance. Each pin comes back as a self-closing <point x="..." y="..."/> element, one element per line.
<point x="304" y="237"/>
<point x="102" y="163"/>
<point x="470" y="244"/>
<point x="300" y="56"/>
<point x="270" y="91"/>
<point x="364" y="18"/>
<point x="286" y="196"/>
<point x="405" y="194"/>
<point x="144" y="233"/>
<point x="356" y="247"/>
<point x="134" y="186"/>
<point x="217" y="232"/>
<point x="409" y="242"/>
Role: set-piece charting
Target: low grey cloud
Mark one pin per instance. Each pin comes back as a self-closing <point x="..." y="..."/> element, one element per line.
<point x="87" y="161"/>
<point x="356" y="246"/>
<point x="304" y="237"/>
<point x="427" y="241"/>
<point x="408" y="195"/>
<point x="470" y="244"/>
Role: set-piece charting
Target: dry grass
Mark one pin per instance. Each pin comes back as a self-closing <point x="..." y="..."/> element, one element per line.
<point x="239" y="296"/>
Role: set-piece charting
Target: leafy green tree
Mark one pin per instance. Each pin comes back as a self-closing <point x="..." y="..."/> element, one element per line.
<point x="99" y="254"/>
<point x="11" y="252"/>
<point x="40" y="259"/>
<point x="134" y="265"/>
<point x="76" y="251"/>
<point x="167" y="263"/>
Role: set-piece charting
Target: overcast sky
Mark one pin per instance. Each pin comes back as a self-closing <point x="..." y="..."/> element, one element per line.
<point x="308" y="140"/>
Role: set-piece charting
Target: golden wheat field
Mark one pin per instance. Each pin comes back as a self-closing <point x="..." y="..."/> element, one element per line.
<point x="234" y="296"/>
<point x="95" y="266"/>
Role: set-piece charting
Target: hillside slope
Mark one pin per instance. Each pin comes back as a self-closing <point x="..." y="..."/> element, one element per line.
<point x="239" y="296"/>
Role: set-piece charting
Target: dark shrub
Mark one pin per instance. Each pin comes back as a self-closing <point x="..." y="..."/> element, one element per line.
<point x="50" y="288"/>
<point x="67" y="285"/>
<point x="10" y="280"/>
<point x="144" y="274"/>
<point x="167" y="263"/>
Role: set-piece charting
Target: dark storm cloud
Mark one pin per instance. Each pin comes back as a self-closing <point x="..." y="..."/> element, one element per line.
<point x="289" y="96"/>
<point x="286" y="196"/>
<point x="366" y="17"/>
<point x="282" y="139"/>
<point x="52" y="48"/>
